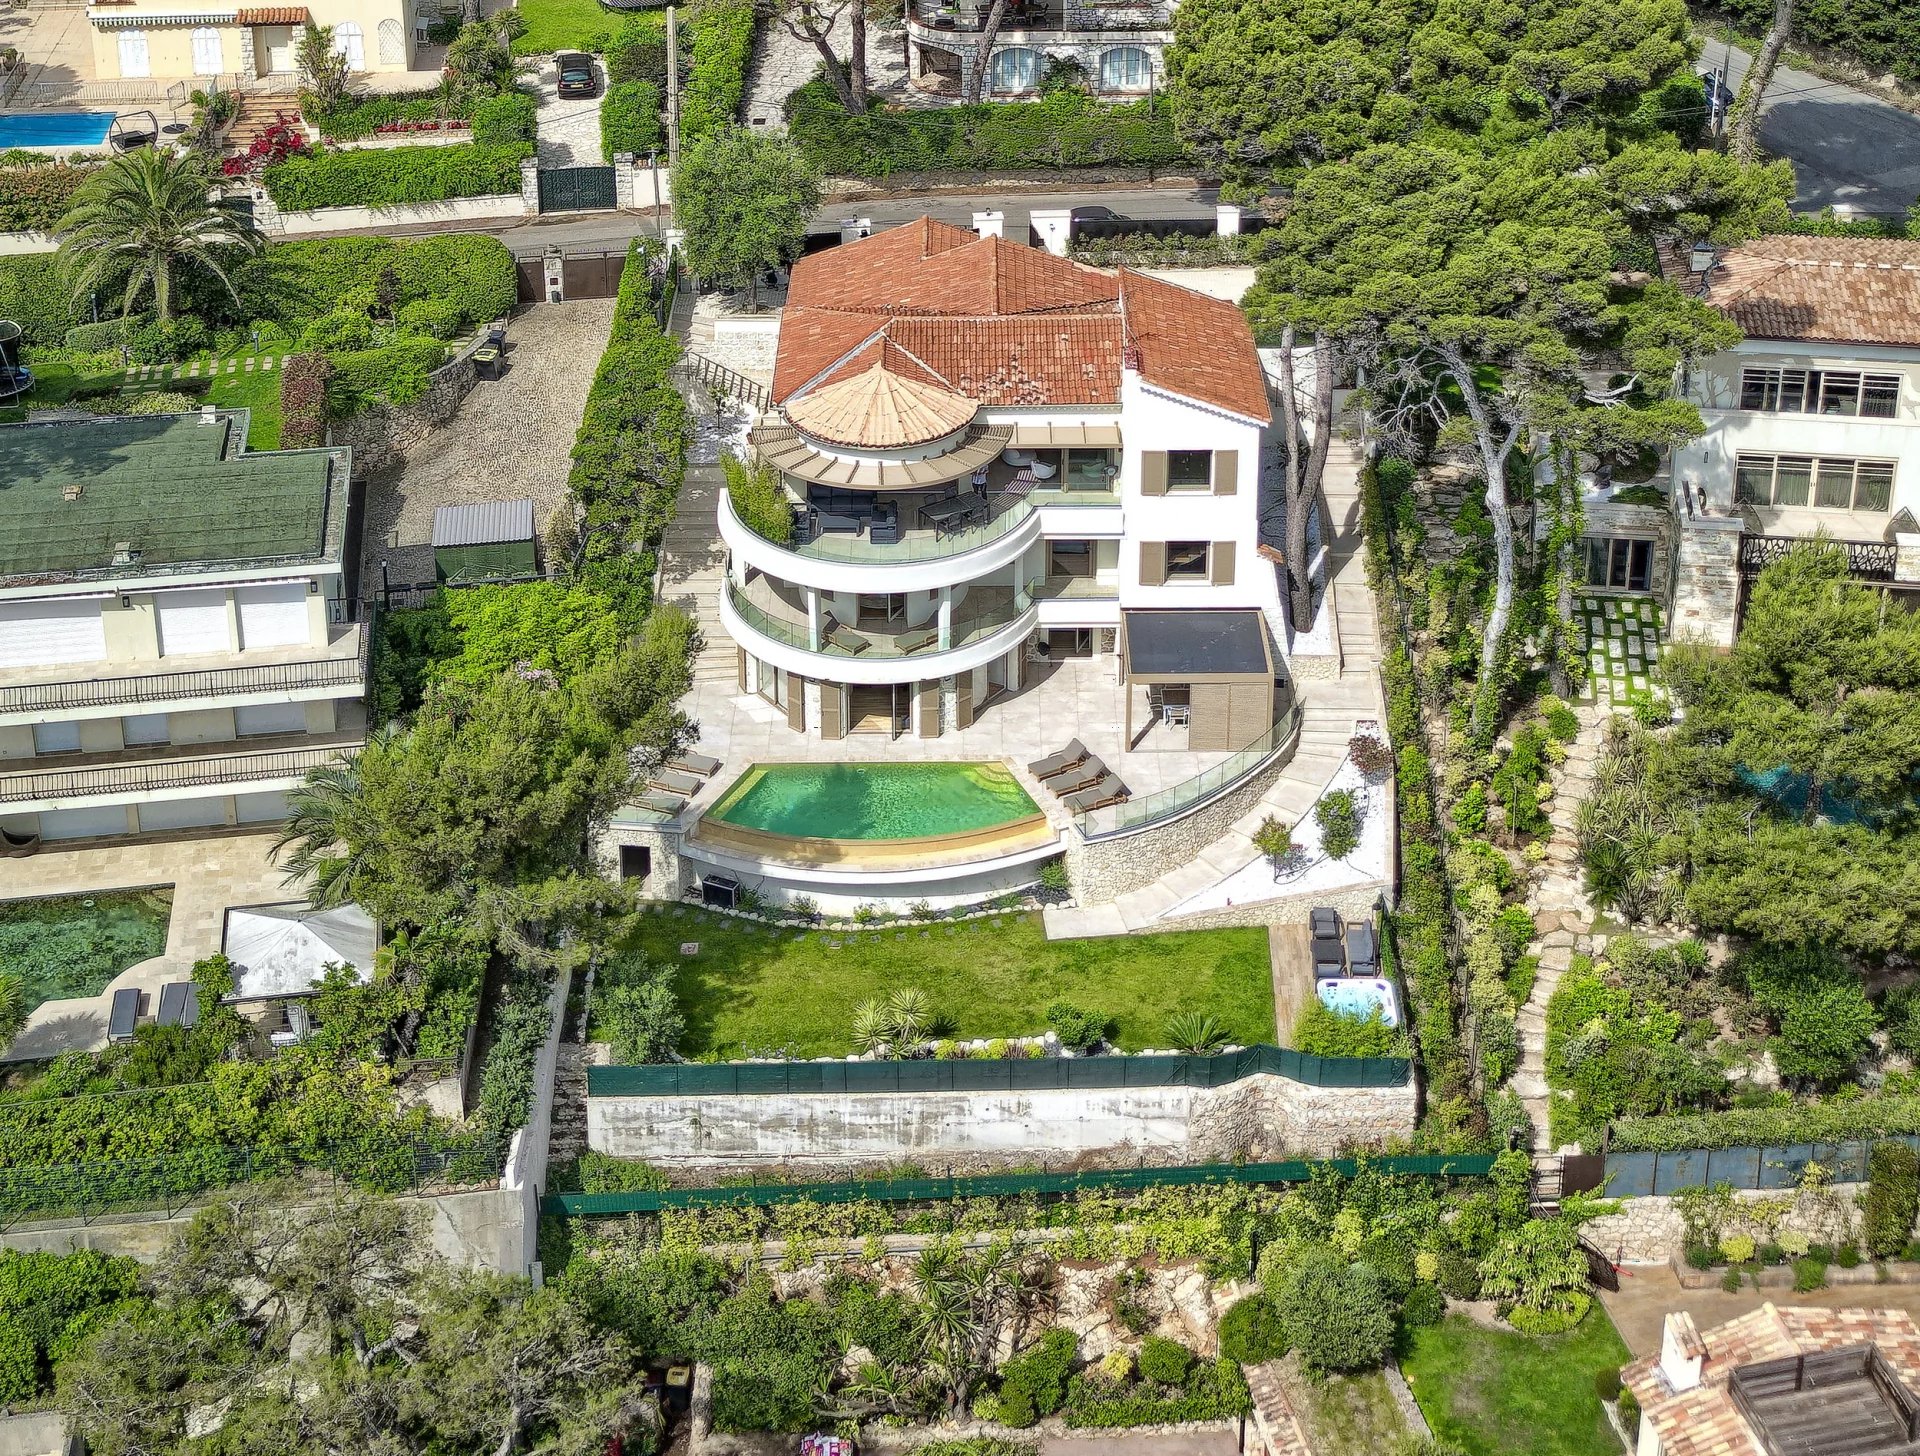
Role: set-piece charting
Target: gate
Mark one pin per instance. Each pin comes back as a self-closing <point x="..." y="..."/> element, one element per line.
<point x="576" y="189"/>
<point x="532" y="274"/>
<point x="592" y="275"/>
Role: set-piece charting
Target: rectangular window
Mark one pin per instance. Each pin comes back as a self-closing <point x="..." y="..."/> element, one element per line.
<point x="1619" y="563"/>
<point x="1190" y="470"/>
<point x="1759" y="389"/>
<point x="56" y="737"/>
<point x="1820" y="391"/>
<point x="1839" y="393"/>
<point x="1826" y="484"/>
<point x="1880" y="396"/>
<point x="1186" y="561"/>
<point x="1089" y="470"/>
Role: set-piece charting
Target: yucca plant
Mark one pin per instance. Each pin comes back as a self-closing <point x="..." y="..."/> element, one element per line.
<point x="872" y="1026"/>
<point x="909" y="1014"/>
<point x="1198" y="1033"/>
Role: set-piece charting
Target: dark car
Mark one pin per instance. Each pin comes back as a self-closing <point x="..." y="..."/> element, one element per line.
<point x="577" y="76"/>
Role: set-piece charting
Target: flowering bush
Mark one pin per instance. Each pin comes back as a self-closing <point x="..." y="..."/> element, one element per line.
<point x="303" y="401"/>
<point x="278" y="142"/>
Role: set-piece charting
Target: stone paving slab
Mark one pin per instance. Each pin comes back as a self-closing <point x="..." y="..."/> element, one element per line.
<point x="1623" y="636"/>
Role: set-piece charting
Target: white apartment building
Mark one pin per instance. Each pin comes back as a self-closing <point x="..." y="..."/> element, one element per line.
<point x="997" y="457"/>
<point x="176" y="647"/>
<point x="1120" y="48"/>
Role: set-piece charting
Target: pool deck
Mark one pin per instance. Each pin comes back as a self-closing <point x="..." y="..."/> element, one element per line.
<point x="927" y="851"/>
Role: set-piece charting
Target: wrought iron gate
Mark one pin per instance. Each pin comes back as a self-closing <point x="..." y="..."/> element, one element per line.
<point x="576" y="189"/>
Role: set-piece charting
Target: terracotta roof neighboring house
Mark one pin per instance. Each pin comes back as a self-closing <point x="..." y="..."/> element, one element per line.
<point x="1683" y="1392"/>
<point x="1821" y="290"/>
<point x="273" y="15"/>
<point x="1007" y="325"/>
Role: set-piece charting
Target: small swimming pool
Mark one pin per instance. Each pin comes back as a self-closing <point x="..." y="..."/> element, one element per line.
<point x="1359" y="997"/>
<point x="72" y="945"/>
<point x="55" y="128"/>
<point x="875" y="801"/>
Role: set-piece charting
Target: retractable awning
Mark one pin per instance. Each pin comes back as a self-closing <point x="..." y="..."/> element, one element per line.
<point x="1195" y="645"/>
<point x="1036" y="436"/>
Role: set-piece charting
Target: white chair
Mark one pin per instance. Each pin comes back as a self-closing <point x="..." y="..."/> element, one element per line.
<point x="1043" y="471"/>
<point x="1016" y="458"/>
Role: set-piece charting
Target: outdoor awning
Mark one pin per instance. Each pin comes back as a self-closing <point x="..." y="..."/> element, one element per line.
<point x="149" y="19"/>
<point x="283" y="950"/>
<point x="782" y="448"/>
<point x="1195" y="645"/>
<point x="1055" y="437"/>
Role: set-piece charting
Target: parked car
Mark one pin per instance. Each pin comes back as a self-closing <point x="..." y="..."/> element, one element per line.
<point x="577" y="76"/>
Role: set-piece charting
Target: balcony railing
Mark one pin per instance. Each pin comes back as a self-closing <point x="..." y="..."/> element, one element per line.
<point x="278" y="677"/>
<point x="1169" y="803"/>
<point x="1076" y="589"/>
<point x="919" y="544"/>
<point x="175" y="773"/>
<point x="846" y="641"/>
<point x="971" y="16"/>
<point x="1870" y="560"/>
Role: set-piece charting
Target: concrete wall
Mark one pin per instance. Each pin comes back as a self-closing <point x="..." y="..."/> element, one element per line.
<point x="12" y="244"/>
<point x="37" y="1433"/>
<point x="1258" y="1117"/>
<point x="348" y="219"/>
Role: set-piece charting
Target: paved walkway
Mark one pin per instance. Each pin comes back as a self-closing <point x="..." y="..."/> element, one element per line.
<point x="781" y="65"/>
<point x="1648" y="1291"/>
<point x="1623" y="647"/>
<point x="512" y="437"/>
<point x="566" y="128"/>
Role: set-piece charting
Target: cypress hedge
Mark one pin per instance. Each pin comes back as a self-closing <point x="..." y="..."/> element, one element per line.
<point x="389" y="177"/>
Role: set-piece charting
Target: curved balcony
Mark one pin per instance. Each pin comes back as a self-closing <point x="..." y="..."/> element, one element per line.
<point x="775" y="629"/>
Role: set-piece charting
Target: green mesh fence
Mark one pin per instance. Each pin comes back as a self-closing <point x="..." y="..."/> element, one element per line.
<point x="1002" y="1185"/>
<point x="1045" y="1074"/>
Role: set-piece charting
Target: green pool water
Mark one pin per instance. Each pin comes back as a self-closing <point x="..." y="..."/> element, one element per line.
<point x="874" y="800"/>
<point x="73" y="945"/>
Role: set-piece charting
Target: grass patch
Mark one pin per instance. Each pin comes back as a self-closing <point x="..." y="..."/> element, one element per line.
<point x="1346" y="1415"/>
<point x="258" y="393"/>
<point x="54" y="384"/>
<point x="757" y="989"/>
<point x="1492" y="1392"/>
<point x="563" y="25"/>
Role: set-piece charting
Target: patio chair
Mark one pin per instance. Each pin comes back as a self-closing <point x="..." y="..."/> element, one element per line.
<point x="661" y="803"/>
<point x="1324" y="922"/>
<point x="1363" y="956"/>
<point x="1072" y="756"/>
<point x="837" y="633"/>
<point x="1081" y="776"/>
<point x="1109" y="790"/>
<point x="884" y="528"/>
<point x="920" y="641"/>
<point x="697" y="763"/>
<point x="675" y="782"/>
<point x="1328" y="959"/>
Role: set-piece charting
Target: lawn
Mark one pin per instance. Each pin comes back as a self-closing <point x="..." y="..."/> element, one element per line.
<point x="564" y="25"/>
<point x="759" y="989"/>
<point x="1346" y="1415"/>
<point x="1492" y="1392"/>
<point x="259" y="393"/>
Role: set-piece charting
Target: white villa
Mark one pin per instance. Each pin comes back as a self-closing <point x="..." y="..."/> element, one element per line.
<point x="176" y="649"/>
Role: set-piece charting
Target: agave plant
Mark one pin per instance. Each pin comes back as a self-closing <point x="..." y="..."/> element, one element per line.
<point x="909" y="1014"/>
<point x="872" y="1026"/>
<point x="1198" y="1033"/>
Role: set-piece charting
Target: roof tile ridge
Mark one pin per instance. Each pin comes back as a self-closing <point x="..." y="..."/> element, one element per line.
<point x="878" y="335"/>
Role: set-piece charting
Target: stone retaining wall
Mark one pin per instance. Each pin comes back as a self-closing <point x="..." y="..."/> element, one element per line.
<point x="381" y="436"/>
<point x="1261" y="1117"/>
<point x="1354" y="903"/>
<point x="1649" y="1230"/>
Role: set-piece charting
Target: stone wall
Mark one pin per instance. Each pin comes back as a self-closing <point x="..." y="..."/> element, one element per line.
<point x="381" y="436"/>
<point x="669" y="877"/>
<point x="1261" y="1117"/>
<point x="1706" y="580"/>
<point x="36" y="1433"/>
<point x="1649" y="1230"/>
<point x="1354" y="903"/>
<point x="1104" y="869"/>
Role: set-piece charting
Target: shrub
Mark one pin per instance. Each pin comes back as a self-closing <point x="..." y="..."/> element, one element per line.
<point x="1555" y="1321"/>
<point x="1847" y="1256"/>
<point x="642" y="1020"/>
<point x="19" y="1363"/>
<point x="505" y="120"/>
<point x="1338" y="815"/>
<point x="1035" y="1383"/>
<point x="604" y="1173"/>
<point x="1197" y="1033"/>
<point x="1563" y="724"/>
<point x="758" y="500"/>
<point x="33" y="199"/>
<point x="1324" y="1032"/>
<point x="1824" y="1016"/>
<point x="1737" y="1248"/>
<point x="717" y="79"/>
<point x="1163" y="1361"/>
<point x="436" y="318"/>
<point x="1809" y="1274"/>
<point x="303" y="402"/>
<point x="630" y="119"/>
<point x="1893" y="1198"/>
<point x="1424" y="1305"/>
<point x="33" y="295"/>
<point x="355" y="117"/>
<point x="155" y="342"/>
<point x="1214" y="1390"/>
<point x="1372" y="757"/>
<point x="1336" y="1313"/>
<point x="1606" y="1383"/>
<point x="391" y="177"/>
<point x="637" y="52"/>
<point x="395" y="374"/>
<point x="1470" y="810"/>
<point x="1079" y="1030"/>
<point x="343" y="329"/>
<point x="1253" y="1332"/>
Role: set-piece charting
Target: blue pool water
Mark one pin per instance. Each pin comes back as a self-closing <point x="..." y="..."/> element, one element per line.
<point x="1359" y="996"/>
<point x="54" y="128"/>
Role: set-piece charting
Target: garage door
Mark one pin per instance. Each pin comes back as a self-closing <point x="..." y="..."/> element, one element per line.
<point x="83" y="823"/>
<point x="193" y="622"/>
<point x="272" y="616"/>
<point x="38" y="634"/>
<point x="182" y="814"/>
<point x="259" y="808"/>
<point x="270" y="718"/>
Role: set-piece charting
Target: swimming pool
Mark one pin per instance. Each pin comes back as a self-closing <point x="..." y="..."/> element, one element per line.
<point x="73" y="945"/>
<point x="55" y="128"/>
<point x="1359" y="997"/>
<point x="875" y="801"/>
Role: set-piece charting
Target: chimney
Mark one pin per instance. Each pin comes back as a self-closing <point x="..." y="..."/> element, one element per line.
<point x="852" y="229"/>
<point x="1682" y="1352"/>
<point x="1226" y="220"/>
<point x="207" y="414"/>
<point x="990" y="224"/>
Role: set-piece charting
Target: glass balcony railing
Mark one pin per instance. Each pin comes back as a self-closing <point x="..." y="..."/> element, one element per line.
<point x="920" y="535"/>
<point x="837" y="639"/>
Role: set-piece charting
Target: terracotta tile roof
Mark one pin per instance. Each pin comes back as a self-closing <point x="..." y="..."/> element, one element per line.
<point x="1704" y="1422"/>
<point x="1007" y="325"/>
<point x="273" y="15"/>
<point x="878" y="409"/>
<point x="1824" y="290"/>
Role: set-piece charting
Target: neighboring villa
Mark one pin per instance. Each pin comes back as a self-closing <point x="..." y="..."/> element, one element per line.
<point x="137" y="39"/>
<point x="1840" y="1381"/>
<point x="176" y="646"/>
<point x="1812" y="427"/>
<point x="1121" y="48"/>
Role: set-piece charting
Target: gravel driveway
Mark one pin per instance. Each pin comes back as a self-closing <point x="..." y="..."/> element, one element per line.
<point x="566" y="129"/>
<point x="512" y="438"/>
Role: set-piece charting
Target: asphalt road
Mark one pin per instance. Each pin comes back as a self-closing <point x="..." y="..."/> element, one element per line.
<point x="1845" y="146"/>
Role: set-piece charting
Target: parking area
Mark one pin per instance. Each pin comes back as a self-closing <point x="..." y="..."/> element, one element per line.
<point x="566" y="128"/>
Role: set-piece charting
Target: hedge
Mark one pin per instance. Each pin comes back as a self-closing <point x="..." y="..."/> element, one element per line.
<point x="630" y="119"/>
<point x="1067" y="130"/>
<point x="1213" y="1390"/>
<point x="505" y="120"/>
<point x="1740" y="1127"/>
<point x="33" y="199"/>
<point x="315" y="276"/>
<point x="717" y="79"/>
<point x="33" y="295"/>
<point x="358" y="117"/>
<point x="389" y="177"/>
<point x="394" y="374"/>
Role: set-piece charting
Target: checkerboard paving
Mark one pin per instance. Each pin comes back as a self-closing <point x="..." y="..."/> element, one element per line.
<point x="1623" y="636"/>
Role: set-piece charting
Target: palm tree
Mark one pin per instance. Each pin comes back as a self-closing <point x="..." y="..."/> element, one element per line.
<point x="146" y="214"/>
<point x="328" y="830"/>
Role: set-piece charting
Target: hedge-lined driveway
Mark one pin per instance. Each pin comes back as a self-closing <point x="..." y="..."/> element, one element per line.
<point x="512" y="438"/>
<point x="567" y="128"/>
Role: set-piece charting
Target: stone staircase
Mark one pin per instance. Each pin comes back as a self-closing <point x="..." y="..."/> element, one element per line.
<point x="692" y="568"/>
<point x="567" y="1132"/>
<point x="259" y="112"/>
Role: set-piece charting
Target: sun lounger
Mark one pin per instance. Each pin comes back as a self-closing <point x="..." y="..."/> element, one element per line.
<point x="1108" y="790"/>
<point x="838" y="634"/>
<point x="920" y="642"/>
<point x="174" y="999"/>
<point x="675" y="782"/>
<point x="1082" y="776"/>
<point x="661" y="803"/>
<point x="1072" y="756"/>
<point x="696" y="763"/>
<point x="123" y="1014"/>
<point x="1362" y="955"/>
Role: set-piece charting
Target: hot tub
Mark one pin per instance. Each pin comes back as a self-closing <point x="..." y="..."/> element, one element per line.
<point x="1359" y="997"/>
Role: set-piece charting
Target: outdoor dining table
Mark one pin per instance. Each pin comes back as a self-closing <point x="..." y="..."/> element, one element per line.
<point x="953" y="515"/>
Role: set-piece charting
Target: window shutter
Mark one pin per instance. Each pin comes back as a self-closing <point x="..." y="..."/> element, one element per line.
<point x="1220" y="559"/>
<point x="1153" y="562"/>
<point x="1226" y="472"/>
<point x="930" y="709"/>
<point x="740" y="666"/>
<point x="963" y="700"/>
<point x="796" y="702"/>
<point x="1153" y="472"/>
<point x="833" y="698"/>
